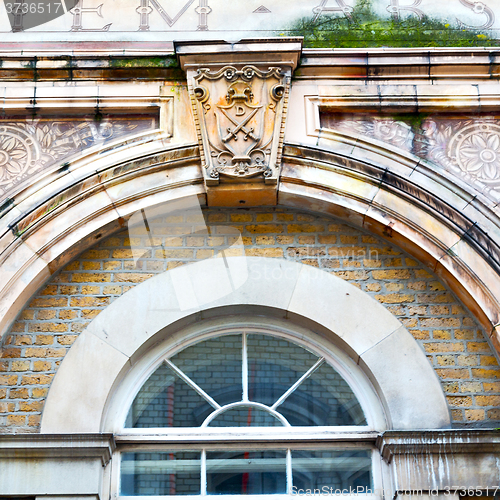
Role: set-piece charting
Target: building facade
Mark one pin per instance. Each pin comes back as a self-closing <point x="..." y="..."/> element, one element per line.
<point x="246" y="267"/>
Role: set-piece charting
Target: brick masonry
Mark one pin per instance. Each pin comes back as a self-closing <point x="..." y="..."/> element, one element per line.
<point x="449" y="335"/>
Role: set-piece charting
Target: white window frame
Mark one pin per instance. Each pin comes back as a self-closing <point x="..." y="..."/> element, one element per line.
<point x="218" y="439"/>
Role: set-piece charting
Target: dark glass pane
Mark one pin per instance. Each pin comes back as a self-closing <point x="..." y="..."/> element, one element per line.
<point x="274" y="365"/>
<point x="331" y="470"/>
<point x="176" y="473"/>
<point x="167" y="401"/>
<point x="323" y="399"/>
<point x="215" y="365"/>
<point x="246" y="473"/>
<point x="245" y="417"/>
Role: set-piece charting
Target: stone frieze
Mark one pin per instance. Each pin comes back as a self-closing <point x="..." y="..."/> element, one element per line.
<point x="213" y="19"/>
<point x="29" y="147"/>
<point x="465" y="146"/>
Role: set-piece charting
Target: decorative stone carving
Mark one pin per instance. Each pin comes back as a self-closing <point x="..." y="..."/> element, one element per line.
<point x="476" y="151"/>
<point x="385" y="129"/>
<point x="239" y="93"/>
<point x="29" y="147"/>
<point x="240" y="118"/>
<point x="468" y="148"/>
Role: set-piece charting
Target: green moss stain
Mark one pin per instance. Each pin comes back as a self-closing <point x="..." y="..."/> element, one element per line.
<point x="144" y="62"/>
<point x="413" y="120"/>
<point x="367" y="29"/>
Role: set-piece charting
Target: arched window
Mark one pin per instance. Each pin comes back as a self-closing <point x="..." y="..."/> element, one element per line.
<point x="245" y="410"/>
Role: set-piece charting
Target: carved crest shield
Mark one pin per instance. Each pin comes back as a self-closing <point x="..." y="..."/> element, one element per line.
<point x="239" y="124"/>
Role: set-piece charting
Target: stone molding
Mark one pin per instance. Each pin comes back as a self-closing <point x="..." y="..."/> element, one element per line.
<point x="45" y="128"/>
<point x="311" y="178"/>
<point x="44" y="98"/>
<point x="467" y="461"/>
<point x="393" y="443"/>
<point x="149" y="60"/>
<point x="400" y="64"/>
<point x="404" y="98"/>
<point x="359" y="187"/>
<point x="41" y="222"/>
<point x="71" y="192"/>
<point x="59" y="66"/>
<point x="44" y="446"/>
<point x="56" y="466"/>
<point x="228" y="436"/>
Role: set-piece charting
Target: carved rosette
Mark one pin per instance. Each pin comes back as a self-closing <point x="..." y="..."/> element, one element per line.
<point x="19" y="153"/>
<point x="476" y="150"/>
<point x="241" y="113"/>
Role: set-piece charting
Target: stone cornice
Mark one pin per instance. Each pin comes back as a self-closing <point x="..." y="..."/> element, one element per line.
<point x="407" y="98"/>
<point x="96" y="66"/>
<point x="218" y="436"/>
<point x="150" y="61"/>
<point x="43" y="446"/>
<point x="414" y="64"/>
<point x="84" y="48"/>
<point x="270" y="51"/>
<point x="392" y="443"/>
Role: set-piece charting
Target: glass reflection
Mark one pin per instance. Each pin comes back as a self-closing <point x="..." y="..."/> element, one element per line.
<point x="324" y="398"/>
<point x="163" y="473"/>
<point x="330" y="470"/>
<point x="167" y="401"/>
<point x="212" y="370"/>
<point x="246" y="473"/>
<point x="245" y="417"/>
<point x="216" y="366"/>
<point x="274" y="365"/>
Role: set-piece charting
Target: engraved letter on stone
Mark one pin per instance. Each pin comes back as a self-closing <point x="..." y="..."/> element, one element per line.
<point x="78" y="12"/>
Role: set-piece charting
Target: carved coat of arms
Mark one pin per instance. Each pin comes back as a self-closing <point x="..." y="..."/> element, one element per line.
<point x="240" y="115"/>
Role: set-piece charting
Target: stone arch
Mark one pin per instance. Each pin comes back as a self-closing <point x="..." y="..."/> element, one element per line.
<point x="434" y="219"/>
<point x="72" y="208"/>
<point x="362" y="327"/>
<point x="442" y="222"/>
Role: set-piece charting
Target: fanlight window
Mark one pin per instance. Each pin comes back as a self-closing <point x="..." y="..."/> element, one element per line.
<point x="245" y="380"/>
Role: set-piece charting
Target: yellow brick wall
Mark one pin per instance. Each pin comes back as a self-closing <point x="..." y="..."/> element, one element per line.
<point x="454" y="343"/>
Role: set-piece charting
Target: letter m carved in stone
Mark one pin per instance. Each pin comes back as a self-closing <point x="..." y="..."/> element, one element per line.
<point x="146" y="8"/>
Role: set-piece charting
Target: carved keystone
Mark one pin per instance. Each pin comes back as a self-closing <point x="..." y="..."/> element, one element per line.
<point x="239" y="94"/>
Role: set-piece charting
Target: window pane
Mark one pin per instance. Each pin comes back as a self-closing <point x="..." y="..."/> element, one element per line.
<point x="162" y="473"/>
<point x="323" y="399"/>
<point x="245" y="417"/>
<point x="252" y="473"/>
<point x="167" y="401"/>
<point x="215" y="365"/>
<point x="325" y="470"/>
<point x="274" y="365"/>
